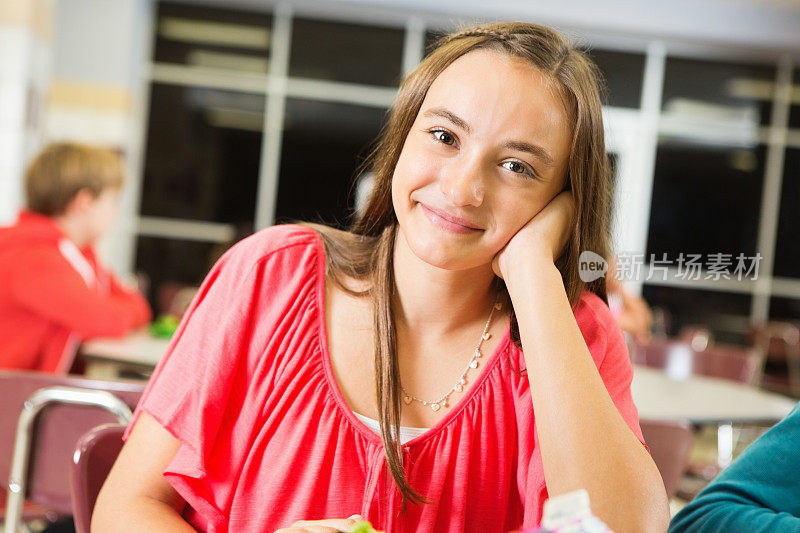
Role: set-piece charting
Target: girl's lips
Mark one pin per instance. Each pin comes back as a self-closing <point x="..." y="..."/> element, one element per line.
<point x="445" y="223"/>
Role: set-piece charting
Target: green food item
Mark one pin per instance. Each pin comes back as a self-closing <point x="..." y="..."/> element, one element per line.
<point x="363" y="526"/>
<point x="164" y="326"/>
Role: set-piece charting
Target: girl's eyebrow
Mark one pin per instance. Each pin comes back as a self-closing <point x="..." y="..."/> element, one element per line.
<point x="534" y="150"/>
<point x="521" y="146"/>
<point x="449" y="115"/>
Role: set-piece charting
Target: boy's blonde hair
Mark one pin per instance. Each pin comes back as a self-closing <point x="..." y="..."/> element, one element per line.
<point x="62" y="169"/>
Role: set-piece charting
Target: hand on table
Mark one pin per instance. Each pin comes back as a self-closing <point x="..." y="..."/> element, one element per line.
<point x="332" y="525"/>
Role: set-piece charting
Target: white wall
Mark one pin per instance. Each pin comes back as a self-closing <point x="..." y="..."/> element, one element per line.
<point x="97" y="94"/>
<point x="766" y="25"/>
<point x="25" y="41"/>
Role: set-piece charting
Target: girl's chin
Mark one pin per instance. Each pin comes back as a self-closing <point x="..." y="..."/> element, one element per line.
<point x="449" y="255"/>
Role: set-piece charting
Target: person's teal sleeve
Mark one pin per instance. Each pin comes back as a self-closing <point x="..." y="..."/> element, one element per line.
<point x="758" y="492"/>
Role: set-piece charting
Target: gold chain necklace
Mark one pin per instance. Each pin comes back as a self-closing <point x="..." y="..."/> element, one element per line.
<point x="473" y="363"/>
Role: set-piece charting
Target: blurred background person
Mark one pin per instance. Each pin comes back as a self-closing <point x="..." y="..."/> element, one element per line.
<point x="55" y="292"/>
<point x="631" y="310"/>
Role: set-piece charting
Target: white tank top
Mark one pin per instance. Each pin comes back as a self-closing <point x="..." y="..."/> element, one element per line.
<point x="406" y="433"/>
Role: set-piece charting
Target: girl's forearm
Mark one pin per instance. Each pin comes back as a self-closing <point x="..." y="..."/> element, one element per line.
<point x="585" y="442"/>
<point x="138" y="513"/>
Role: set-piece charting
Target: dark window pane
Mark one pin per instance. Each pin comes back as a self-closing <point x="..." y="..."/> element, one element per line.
<point x="354" y="53"/>
<point x="212" y="38"/>
<point x="623" y="73"/>
<point x="784" y="309"/>
<point x="431" y="36"/>
<point x="706" y="200"/>
<point x="171" y="262"/>
<point x="794" y="113"/>
<point x="738" y="90"/>
<point x="203" y="153"/>
<point x="323" y="144"/>
<point x="613" y="162"/>
<point x="787" y="249"/>
<point x="726" y="314"/>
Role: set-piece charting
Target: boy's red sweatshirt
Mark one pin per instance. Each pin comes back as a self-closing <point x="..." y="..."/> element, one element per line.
<point x="53" y="295"/>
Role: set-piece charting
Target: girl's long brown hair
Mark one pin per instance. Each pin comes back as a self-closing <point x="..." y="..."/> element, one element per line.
<point x="365" y="252"/>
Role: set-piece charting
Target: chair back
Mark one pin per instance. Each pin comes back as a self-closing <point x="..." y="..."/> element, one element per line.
<point x="780" y="344"/>
<point x="94" y="456"/>
<point x="776" y="338"/>
<point x="728" y="361"/>
<point x="680" y="360"/>
<point x="670" y="444"/>
<point x="55" y="431"/>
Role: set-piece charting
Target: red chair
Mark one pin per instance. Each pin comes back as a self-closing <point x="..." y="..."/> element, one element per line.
<point x="42" y="416"/>
<point x="94" y="456"/>
<point x="780" y="344"/>
<point x="670" y="444"/>
<point x="680" y="360"/>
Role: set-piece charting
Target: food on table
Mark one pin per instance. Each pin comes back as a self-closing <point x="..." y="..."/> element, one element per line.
<point x="164" y="326"/>
<point x="362" y="526"/>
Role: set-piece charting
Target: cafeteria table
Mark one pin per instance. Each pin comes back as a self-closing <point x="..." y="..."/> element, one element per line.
<point x="106" y="357"/>
<point x="698" y="400"/>
<point x="704" y="400"/>
<point x="701" y="400"/>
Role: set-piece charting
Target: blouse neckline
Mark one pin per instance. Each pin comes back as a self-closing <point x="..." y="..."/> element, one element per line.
<point x="322" y="340"/>
<point x="406" y="433"/>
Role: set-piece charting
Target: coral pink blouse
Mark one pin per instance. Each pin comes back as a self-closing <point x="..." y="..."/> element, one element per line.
<point x="246" y="385"/>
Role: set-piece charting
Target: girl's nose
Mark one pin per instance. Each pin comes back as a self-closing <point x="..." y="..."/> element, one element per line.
<point x="463" y="184"/>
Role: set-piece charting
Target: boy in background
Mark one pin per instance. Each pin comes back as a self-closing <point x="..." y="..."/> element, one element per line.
<point x="53" y="291"/>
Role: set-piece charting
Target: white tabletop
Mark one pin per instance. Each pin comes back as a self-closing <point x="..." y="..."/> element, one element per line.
<point x="139" y="348"/>
<point x="704" y="400"/>
<point x="697" y="399"/>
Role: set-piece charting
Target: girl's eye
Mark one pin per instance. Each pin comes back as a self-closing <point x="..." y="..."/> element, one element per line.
<point x="518" y="168"/>
<point x="443" y="137"/>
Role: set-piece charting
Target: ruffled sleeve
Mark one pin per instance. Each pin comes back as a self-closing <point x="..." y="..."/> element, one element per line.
<point x="606" y="343"/>
<point x="202" y="390"/>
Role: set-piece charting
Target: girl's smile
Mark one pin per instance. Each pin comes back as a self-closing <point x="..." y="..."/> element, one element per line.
<point x="450" y="222"/>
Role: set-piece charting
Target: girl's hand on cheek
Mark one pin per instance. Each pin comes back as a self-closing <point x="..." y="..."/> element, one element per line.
<point x="543" y="237"/>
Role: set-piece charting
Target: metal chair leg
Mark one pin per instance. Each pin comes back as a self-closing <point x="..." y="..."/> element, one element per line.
<point x="724" y="445"/>
<point x="17" y="483"/>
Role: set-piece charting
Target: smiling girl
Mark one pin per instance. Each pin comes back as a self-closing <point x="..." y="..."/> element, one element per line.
<point x="321" y="374"/>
